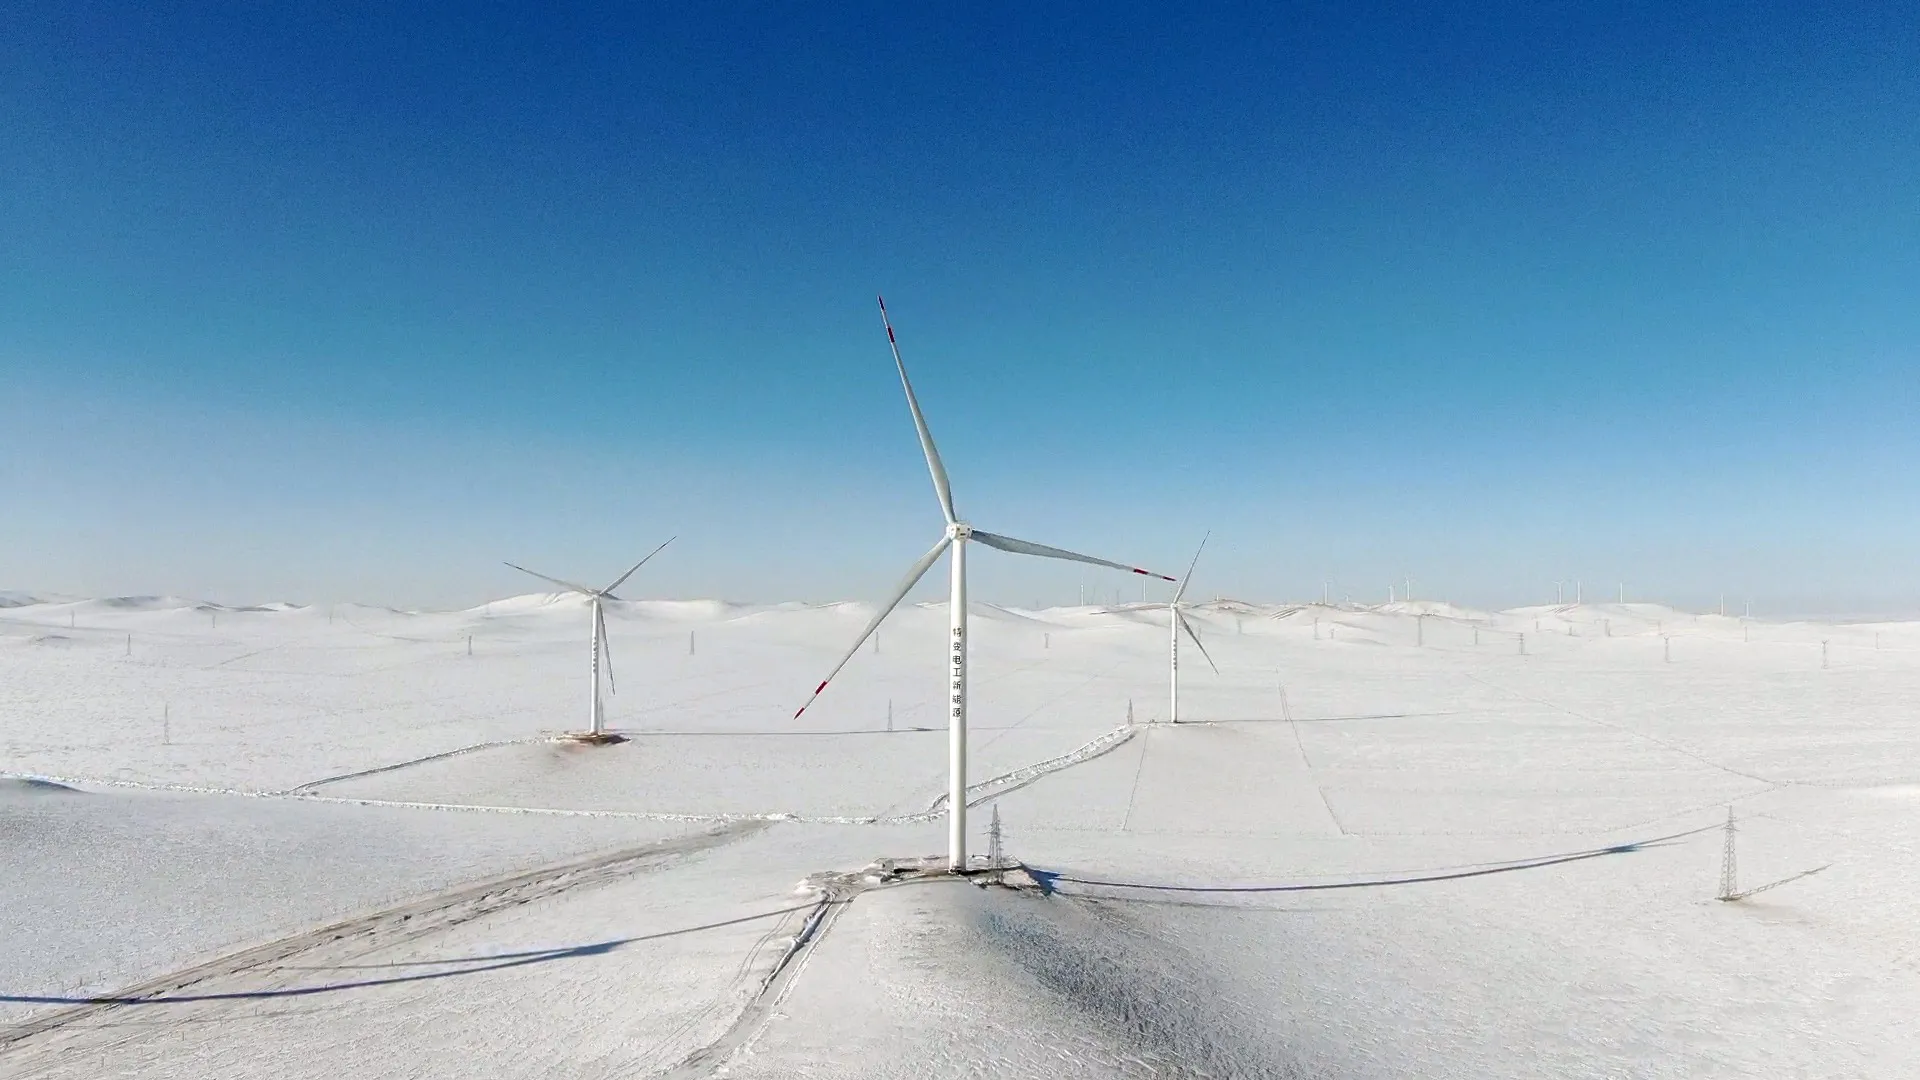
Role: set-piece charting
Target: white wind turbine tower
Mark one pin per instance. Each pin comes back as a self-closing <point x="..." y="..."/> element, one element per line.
<point x="958" y="534"/>
<point x="596" y="715"/>
<point x="1176" y="622"/>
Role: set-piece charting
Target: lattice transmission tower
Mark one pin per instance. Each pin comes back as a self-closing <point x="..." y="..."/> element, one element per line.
<point x="1729" y="875"/>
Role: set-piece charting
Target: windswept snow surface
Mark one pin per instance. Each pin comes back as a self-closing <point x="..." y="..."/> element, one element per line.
<point x="1409" y="840"/>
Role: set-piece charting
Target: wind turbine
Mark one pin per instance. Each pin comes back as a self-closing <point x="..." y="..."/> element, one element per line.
<point x="1176" y="622"/>
<point x="596" y="716"/>
<point x="955" y="539"/>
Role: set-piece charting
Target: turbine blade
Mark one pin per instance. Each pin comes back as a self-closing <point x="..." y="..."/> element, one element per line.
<point x="1023" y="547"/>
<point x="1188" y="627"/>
<point x="606" y="647"/>
<point x="939" y="471"/>
<point x="918" y="571"/>
<point x="622" y="579"/>
<point x="1182" y="591"/>
<point x="554" y="580"/>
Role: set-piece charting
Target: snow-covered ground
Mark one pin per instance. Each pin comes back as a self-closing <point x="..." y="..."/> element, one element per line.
<point x="1408" y="840"/>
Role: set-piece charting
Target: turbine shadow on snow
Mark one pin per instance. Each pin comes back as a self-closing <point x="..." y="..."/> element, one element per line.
<point x="471" y="965"/>
<point x="1323" y="719"/>
<point x="902" y="729"/>
<point x="1048" y="879"/>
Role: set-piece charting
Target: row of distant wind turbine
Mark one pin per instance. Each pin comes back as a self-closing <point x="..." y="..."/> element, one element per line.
<point x="953" y="541"/>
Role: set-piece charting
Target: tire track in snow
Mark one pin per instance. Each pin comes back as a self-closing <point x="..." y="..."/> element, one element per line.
<point x="838" y="892"/>
<point x="774" y="989"/>
<point x="991" y="787"/>
<point x="1319" y="788"/>
<point x="302" y="789"/>
<point x="995" y="786"/>
<point x="982" y="747"/>
<point x="1134" y="791"/>
<point x="390" y="926"/>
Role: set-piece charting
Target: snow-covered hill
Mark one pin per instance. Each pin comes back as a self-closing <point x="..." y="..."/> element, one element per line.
<point x="1405" y="840"/>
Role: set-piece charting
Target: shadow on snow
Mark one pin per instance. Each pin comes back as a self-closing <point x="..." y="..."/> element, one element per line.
<point x="464" y="965"/>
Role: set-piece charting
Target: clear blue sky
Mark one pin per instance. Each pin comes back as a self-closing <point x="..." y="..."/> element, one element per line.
<point x="340" y="301"/>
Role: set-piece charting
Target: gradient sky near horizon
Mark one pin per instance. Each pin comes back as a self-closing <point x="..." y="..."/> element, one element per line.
<point x="351" y="302"/>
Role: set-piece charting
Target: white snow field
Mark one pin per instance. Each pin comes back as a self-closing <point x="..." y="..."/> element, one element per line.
<point x="313" y="843"/>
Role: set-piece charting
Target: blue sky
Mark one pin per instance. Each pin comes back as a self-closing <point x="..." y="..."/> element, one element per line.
<point x="339" y="301"/>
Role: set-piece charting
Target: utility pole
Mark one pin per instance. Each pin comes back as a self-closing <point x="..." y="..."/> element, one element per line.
<point x="690" y="645"/>
<point x="993" y="840"/>
<point x="1729" y="874"/>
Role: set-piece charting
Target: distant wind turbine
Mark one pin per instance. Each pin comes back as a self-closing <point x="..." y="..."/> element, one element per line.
<point x="596" y="716"/>
<point x="956" y="537"/>
<point x="1176" y="622"/>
